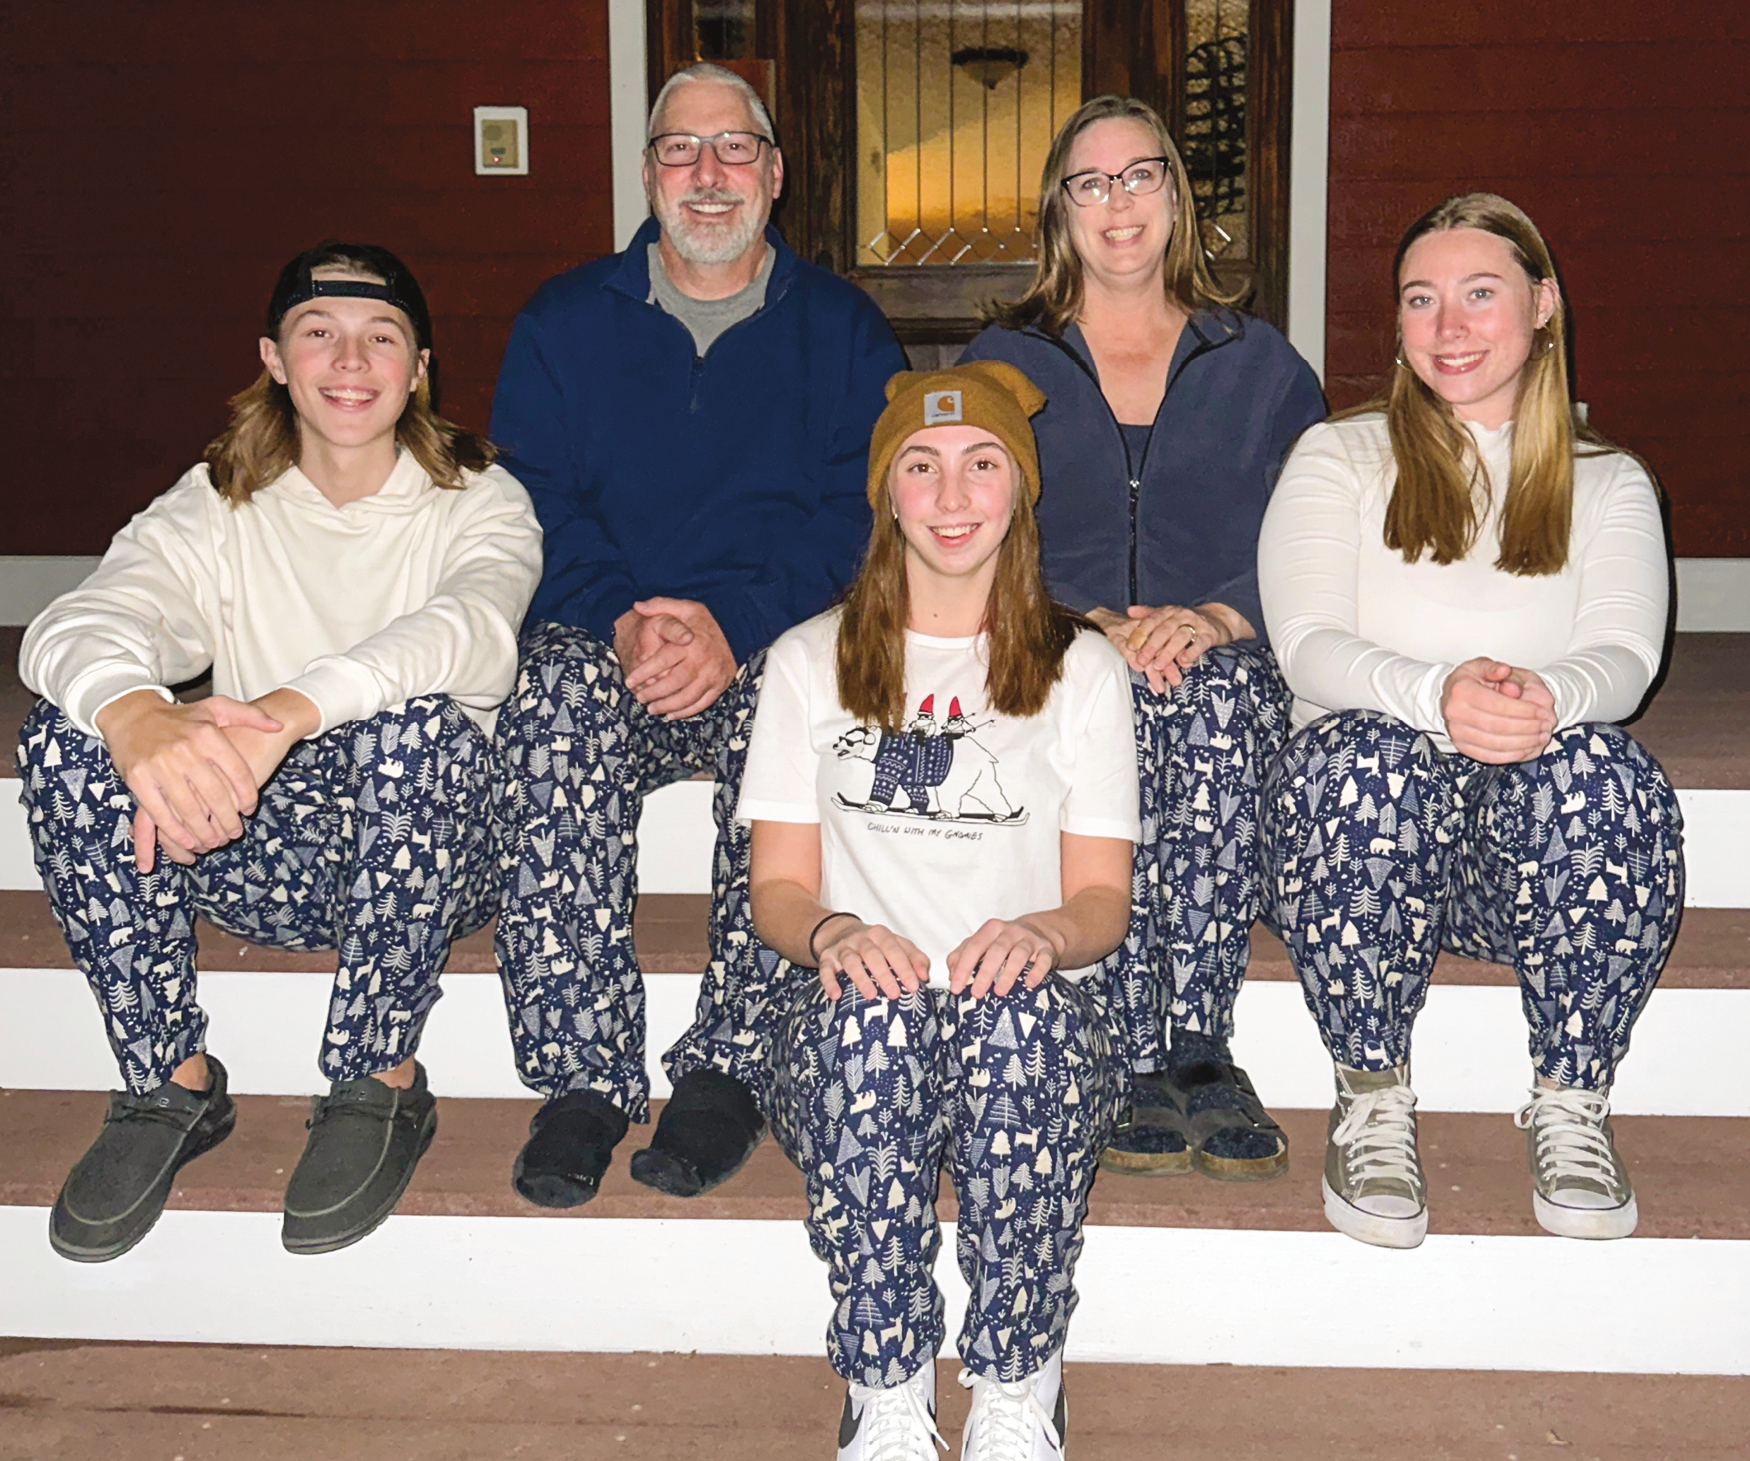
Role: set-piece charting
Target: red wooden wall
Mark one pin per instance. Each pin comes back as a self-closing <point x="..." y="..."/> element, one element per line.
<point x="1623" y="129"/>
<point x="163" y="160"/>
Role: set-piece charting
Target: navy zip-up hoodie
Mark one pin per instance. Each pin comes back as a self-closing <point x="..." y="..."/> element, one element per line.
<point x="1181" y="525"/>
<point x="737" y="479"/>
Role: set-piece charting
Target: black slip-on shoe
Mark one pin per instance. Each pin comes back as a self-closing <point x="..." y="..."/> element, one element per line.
<point x="571" y="1140"/>
<point x="116" y="1191"/>
<point x="365" y="1141"/>
<point x="705" y="1135"/>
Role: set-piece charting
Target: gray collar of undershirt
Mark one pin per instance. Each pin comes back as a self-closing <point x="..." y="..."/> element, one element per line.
<point x="706" y="319"/>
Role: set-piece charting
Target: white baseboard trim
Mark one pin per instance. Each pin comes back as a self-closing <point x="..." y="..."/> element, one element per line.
<point x="29" y="582"/>
<point x="1470" y="1042"/>
<point x="721" y="1286"/>
<point x="1713" y="594"/>
<point x="676" y="834"/>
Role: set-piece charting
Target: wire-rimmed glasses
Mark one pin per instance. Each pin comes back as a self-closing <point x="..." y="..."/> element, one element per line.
<point x="1139" y="178"/>
<point x="732" y="149"/>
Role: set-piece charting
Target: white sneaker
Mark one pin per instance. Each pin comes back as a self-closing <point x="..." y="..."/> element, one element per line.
<point x="1373" y="1184"/>
<point x="897" y="1424"/>
<point x="1020" y="1421"/>
<point x="1579" y="1185"/>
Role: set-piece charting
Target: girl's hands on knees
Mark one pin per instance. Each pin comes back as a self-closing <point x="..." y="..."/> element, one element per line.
<point x="876" y="960"/>
<point x="294" y="713"/>
<point x="998" y="953"/>
<point x="192" y="784"/>
<point x="1497" y="713"/>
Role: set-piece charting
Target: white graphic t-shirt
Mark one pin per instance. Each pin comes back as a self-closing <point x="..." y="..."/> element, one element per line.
<point x="957" y="818"/>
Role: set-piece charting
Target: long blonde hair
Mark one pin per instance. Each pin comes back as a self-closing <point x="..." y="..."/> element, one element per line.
<point x="1433" y="507"/>
<point x="260" y="443"/>
<point x="1029" y="632"/>
<point x="1054" y="298"/>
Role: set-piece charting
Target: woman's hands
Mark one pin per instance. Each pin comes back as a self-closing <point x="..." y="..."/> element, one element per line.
<point x="195" y="769"/>
<point x="878" y="962"/>
<point x="1497" y="713"/>
<point x="997" y="954"/>
<point x="1163" y="643"/>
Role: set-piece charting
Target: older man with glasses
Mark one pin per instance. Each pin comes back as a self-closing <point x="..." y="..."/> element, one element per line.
<point x="691" y="418"/>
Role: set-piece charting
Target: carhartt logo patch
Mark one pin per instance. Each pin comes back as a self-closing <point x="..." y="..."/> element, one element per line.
<point x="941" y="406"/>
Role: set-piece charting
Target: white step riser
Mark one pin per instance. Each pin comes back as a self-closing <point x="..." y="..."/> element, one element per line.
<point x="675" y="836"/>
<point x="730" y="1287"/>
<point x="1470" y="1042"/>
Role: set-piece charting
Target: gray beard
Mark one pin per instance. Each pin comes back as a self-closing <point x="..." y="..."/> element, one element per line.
<point x="708" y="243"/>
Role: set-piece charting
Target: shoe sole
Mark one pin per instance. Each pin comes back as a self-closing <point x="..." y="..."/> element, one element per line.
<point x="305" y="1247"/>
<point x="1147" y="1164"/>
<point x="1367" y="1227"/>
<point x="77" y="1254"/>
<point x="1585" y="1222"/>
<point x="663" y="1172"/>
<point x="1241" y="1169"/>
<point x="550" y="1190"/>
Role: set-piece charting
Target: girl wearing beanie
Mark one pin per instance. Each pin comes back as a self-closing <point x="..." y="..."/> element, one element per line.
<point x="943" y="793"/>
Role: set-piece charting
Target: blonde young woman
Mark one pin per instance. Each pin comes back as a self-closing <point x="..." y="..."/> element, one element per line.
<point x="1168" y="415"/>
<point x="351" y="568"/>
<point x="942" y="788"/>
<point x="1466" y="590"/>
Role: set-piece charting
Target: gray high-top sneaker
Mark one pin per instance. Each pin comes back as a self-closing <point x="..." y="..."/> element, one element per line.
<point x="1579" y="1185"/>
<point x="1373" y="1184"/>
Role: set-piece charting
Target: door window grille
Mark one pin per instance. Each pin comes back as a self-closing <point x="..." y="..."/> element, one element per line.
<point x="957" y="103"/>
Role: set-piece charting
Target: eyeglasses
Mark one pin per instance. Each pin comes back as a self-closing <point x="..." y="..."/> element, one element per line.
<point x="1139" y="178"/>
<point x="732" y="149"/>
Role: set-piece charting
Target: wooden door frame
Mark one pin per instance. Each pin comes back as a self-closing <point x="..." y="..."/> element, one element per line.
<point x="1129" y="47"/>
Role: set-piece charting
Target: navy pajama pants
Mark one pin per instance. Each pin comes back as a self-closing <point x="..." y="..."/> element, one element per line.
<point x="375" y="838"/>
<point x="1203" y="751"/>
<point x="580" y="756"/>
<point x="1019" y="1091"/>
<point x="1383" y="849"/>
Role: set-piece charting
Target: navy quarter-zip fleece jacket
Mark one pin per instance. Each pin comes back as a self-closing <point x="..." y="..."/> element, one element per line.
<point x="1181" y="525"/>
<point x="737" y="480"/>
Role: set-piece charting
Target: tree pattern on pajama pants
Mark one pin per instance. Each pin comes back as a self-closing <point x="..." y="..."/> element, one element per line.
<point x="580" y="756"/>
<point x="1383" y="850"/>
<point x="375" y="838"/>
<point x="1203" y="750"/>
<point x="1019" y="1090"/>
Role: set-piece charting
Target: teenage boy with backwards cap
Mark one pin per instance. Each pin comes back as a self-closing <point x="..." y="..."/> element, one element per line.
<point x="691" y="418"/>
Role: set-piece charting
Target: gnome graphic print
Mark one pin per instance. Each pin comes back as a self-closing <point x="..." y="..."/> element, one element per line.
<point x="957" y="797"/>
<point x="941" y="772"/>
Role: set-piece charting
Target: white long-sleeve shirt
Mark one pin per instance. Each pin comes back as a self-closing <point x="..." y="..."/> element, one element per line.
<point x="1355" y="627"/>
<point x="415" y="590"/>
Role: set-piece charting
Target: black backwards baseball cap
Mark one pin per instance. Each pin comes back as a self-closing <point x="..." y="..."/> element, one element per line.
<point x="399" y="287"/>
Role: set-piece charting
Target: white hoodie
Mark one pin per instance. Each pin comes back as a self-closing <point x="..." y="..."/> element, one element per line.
<point x="415" y="590"/>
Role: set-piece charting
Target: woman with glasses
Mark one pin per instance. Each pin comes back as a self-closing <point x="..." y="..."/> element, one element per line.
<point x="1468" y="588"/>
<point x="1168" y="414"/>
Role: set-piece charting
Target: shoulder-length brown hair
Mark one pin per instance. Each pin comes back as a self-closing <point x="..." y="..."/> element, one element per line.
<point x="1029" y="632"/>
<point x="1054" y="298"/>
<point x="1434" y="505"/>
<point x="260" y="443"/>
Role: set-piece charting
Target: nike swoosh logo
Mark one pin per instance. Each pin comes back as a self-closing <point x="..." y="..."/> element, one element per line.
<point x="850" y="1422"/>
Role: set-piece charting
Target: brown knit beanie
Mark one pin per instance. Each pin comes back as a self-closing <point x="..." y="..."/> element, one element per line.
<point x="989" y="394"/>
